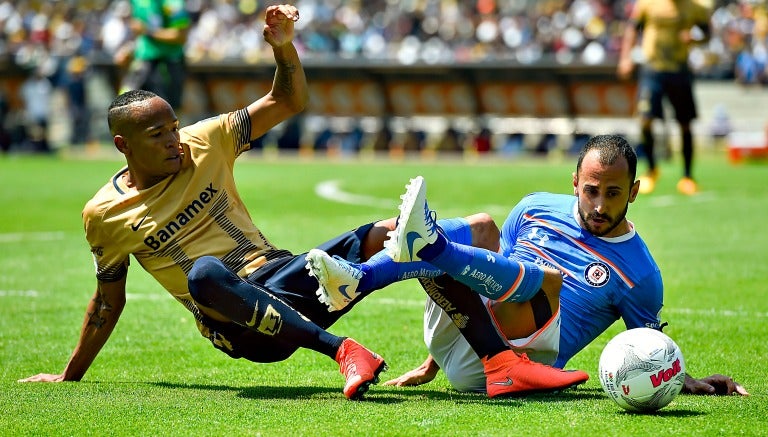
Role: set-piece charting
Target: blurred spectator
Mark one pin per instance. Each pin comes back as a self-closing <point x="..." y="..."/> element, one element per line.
<point x="290" y="138"/>
<point x="5" y="135"/>
<point x="160" y="28"/>
<point x="36" y="94"/>
<point x="77" y="100"/>
<point x="578" y="141"/>
<point x="750" y="68"/>
<point x="451" y="141"/>
<point x="547" y="142"/>
<point x="514" y="144"/>
<point x="383" y="137"/>
<point x="352" y="141"/>
<point x="482" y="141"/>
<point x="720" y="126"/>
<point x="415" y="140"/>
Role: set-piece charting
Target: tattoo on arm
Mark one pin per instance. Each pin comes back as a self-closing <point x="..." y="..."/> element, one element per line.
<point x="98" y="318"/>
<point x="284" y="78"/>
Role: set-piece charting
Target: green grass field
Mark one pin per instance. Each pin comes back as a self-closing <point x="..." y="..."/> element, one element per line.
<point x="158" y="376"/>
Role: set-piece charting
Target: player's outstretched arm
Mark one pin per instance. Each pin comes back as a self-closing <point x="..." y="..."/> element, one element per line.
<point x="100" y="319"/>
<point x="423" y="374"/>
<point x="289" y="94"/>
<point x="713" y="385"/>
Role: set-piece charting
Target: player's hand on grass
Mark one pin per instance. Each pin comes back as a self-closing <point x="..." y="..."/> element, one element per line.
<point x="278" y="27"/>
<point x="43" y="377"/>
<point x="714" y="385"/>
<point x="423" y="374"/>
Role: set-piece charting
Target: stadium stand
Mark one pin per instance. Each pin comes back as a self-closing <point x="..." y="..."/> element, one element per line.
<point x="471" y="46"/>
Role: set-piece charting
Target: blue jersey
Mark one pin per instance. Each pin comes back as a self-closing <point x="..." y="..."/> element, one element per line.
<point x="604" y="279"/>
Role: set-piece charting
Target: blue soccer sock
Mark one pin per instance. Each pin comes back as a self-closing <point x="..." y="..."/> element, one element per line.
<point x="486" y="272"/>
<point x="380" y="270"/>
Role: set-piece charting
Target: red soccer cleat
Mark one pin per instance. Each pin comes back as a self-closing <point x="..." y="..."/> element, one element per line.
<point x="509" y="374"/>
<point x="360" y="366"/>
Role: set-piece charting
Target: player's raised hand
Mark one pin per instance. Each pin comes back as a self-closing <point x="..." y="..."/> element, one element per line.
<point x="278" y="27"/>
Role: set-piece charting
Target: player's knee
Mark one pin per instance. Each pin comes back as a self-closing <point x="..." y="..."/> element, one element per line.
<point x="206" y="272"/>
<point x="485" y="233"/>
<point x="462" y="381"/>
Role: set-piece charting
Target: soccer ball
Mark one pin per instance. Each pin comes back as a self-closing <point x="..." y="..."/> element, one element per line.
<point x="642" y="369"/>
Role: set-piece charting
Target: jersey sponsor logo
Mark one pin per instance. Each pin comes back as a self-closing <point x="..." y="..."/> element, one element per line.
<point x="597" y="274"/>
<point x="136" y="227"/>
<point x="421" y="273"/>
<point x="486" y="280"/>
<point x="433" y="291"/>
<point x="182" y="218"/>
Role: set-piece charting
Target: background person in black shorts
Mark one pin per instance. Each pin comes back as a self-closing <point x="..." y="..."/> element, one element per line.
<point x="667" y="29"/>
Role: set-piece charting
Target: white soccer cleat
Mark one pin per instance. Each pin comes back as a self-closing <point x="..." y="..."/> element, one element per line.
<point x="416" y="224"/>
<point x="338" y="279"/>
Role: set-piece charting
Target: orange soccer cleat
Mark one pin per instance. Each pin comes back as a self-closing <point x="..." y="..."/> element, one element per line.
<point x="648" y="181"/>
<point x="687" y="186"/>
<point x="509" y="374"/>
<point x="360" y="366"/>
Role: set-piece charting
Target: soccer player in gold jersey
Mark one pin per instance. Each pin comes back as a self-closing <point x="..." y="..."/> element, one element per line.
<point x="176" y="209"/>
<point x="666" y="28"/>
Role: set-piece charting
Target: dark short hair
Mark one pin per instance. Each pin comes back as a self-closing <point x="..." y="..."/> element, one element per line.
<point x="610" y="148"/>
<point x="118" y="107"/>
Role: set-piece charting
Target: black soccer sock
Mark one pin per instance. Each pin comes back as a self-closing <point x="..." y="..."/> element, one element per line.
<point x="468" y="313"/>
<point x="213" y="285"/>
<point x="648" y="146"/>
<point x="687" y="153"/>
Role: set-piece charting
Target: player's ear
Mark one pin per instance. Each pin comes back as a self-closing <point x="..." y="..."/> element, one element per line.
<point x="575" y="184"/>
<point x="633" y="190"/>
<point x="121" y="144"/>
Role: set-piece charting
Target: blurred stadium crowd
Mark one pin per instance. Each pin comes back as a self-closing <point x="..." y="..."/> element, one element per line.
<point x="45" y="37"/>
<point x="406" y="31"/>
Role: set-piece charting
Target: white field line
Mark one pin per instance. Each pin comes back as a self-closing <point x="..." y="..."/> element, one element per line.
<point x="331" y="190"/>
<point x="19" y="293"/>
<point x="15" y="237"/>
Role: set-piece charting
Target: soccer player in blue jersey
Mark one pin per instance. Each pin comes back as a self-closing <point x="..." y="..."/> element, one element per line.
<point x="563" y="270"/>
<point x="176" y="210"/>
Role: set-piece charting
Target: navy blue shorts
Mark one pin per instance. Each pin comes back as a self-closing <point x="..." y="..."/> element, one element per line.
<point x="288" y="280"/>
<point x="677" y="86"/>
